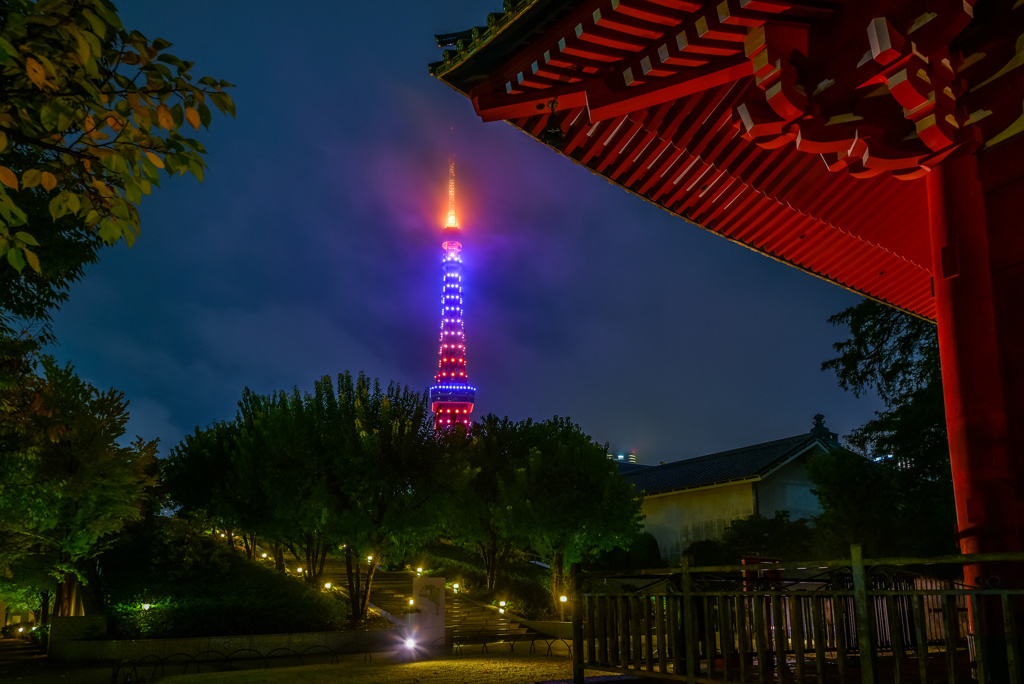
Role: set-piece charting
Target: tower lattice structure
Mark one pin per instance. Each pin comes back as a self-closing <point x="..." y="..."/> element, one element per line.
<point x="452" y="397"/>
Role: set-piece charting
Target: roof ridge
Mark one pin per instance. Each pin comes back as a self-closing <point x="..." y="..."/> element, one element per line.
<point x="731" y="452"/>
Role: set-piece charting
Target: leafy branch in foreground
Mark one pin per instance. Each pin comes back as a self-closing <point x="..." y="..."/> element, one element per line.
<point x="92" y="113"/>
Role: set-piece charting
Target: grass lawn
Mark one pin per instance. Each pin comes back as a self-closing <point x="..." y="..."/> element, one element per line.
<point x="497" y="667"/>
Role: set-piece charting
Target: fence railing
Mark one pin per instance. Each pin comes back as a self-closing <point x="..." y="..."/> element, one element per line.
<point x="855" y="620"/>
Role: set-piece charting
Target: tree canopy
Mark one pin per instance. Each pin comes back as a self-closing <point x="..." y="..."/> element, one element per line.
<point x="351" y="464"/>
<point x="544" y="486"/>
<point x="897" y="356"/>
<point x="90" y="112"/>
<point x="65" y="497"/>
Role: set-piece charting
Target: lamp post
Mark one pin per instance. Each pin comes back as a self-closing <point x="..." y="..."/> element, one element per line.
<point x="561" y="607"/>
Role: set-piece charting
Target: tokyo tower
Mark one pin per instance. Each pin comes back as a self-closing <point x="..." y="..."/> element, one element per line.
<point x="452" y="397"/>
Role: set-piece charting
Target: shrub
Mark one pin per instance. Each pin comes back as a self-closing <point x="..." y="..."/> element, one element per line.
<point x="216" y="593"/>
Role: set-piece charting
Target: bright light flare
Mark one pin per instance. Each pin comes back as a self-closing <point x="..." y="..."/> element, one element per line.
<point x="410" y="643"/>
<point x="453" y="222"/>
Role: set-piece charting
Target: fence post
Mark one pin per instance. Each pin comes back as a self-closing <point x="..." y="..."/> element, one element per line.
<point x="577" y="623"/>
<point x="862" y="609"/>
<point x="689" y="623"/>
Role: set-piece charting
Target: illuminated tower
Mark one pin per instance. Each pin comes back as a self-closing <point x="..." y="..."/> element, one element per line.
<point x="451" y="397"/>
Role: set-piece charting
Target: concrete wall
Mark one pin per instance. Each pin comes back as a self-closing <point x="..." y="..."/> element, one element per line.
<point x="136" y="649"/>
<point x="678" y="519"/>
<point x="788" y="489"/>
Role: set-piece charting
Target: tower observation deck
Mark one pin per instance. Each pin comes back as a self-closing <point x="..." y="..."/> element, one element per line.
<point x="451" y="396"/>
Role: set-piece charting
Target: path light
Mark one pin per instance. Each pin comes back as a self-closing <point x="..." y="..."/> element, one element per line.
<point x="21" y="629"/>
<point x="501" y="610"/>
<point x="561" y="606"/>
<point x="412" y="602"/>
<point x="456" y="587"/>
<point x="327" y="585"/>
<point x="145" y="606"/>
<point x="264" y="555"/>
<point x="298" y="570"/>
<point x="369" y="559"/>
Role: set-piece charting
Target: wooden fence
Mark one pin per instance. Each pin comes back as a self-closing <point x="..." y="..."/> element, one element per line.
<point x="855" y="620"/>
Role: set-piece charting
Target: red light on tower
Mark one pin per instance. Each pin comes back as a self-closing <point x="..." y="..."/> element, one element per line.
<point x="451" y="392"/>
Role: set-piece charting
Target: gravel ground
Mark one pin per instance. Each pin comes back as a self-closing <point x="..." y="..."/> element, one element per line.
<point x="21" y="663"/>
<point x="493" y="668"/>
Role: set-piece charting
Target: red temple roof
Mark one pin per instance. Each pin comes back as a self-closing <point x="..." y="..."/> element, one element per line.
<point x="802" y="130"/>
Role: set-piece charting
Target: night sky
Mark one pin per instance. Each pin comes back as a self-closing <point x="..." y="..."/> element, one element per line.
<point x="313" y="247"/>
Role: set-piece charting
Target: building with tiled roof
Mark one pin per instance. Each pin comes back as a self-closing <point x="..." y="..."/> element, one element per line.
<point x="697" y="498"/>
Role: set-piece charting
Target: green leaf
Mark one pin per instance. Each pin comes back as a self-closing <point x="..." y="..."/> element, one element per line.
<point x="48" y="117"/>
<point x="26" y="238"/>
<point x="7" y="52"/>
<point x="97" y="24"/>
<point x="58" y="207"/>
<point x="109" y="231"/>
<point x="108" y="15"/>
<point x="204" y="114"/>
<point x="84" y="51"/>
<point x="179" y="116"/>
<point x="132" y="192"/>
<point x="16" y="259"/>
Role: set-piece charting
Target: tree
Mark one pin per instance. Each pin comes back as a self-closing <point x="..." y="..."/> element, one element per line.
<point x="89" y="114"/>
<point x="576" y="502"/>
<point x="897" y="356"/>
<point x="73" y="492"/>
<point x="775" y="537"/>
<point x="352" y="464"/>
<point x="485" y="516"/>
<point x="391" y="476"/>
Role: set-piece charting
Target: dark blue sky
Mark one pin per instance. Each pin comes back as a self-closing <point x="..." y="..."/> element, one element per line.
<point x="313" y="247"/>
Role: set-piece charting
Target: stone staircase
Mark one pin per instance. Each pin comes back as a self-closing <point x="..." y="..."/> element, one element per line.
<point x="471" y="622"/>
<point x="465" y="620"/>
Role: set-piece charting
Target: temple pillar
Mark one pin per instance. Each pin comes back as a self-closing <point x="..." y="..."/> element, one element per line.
<point x="980" y="398"/>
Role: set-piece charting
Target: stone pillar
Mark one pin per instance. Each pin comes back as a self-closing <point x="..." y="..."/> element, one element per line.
<point x="426" y="624"/>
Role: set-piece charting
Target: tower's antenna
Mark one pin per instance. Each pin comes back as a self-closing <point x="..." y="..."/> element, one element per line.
<point x="453" y="222"/>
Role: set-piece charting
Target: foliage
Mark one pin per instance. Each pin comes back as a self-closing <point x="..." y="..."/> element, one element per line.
<point x="195" y="586"/>
<point x="89" y="114"/>
<point x="486" y="510"/>
<point x="525" y="585"/>
<point x="576" y="501"/>
<point x="67" y="495"/>
<point x="757" y="536"/>
<point x="642" y="553"/>
<point x="390" y="476"/>
<point x="351" y="465"/>
<point x="897" y="356"/>
<point x="540" y="485"/>
<point x="28" y="298"/>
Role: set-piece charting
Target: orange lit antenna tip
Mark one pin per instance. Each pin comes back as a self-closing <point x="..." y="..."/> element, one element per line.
<point x="453" y="222"/>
